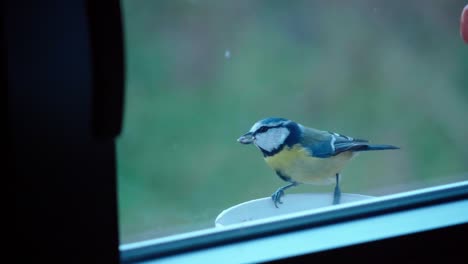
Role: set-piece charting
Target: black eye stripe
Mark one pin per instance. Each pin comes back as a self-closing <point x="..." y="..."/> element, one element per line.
<point x="266" y="128"/>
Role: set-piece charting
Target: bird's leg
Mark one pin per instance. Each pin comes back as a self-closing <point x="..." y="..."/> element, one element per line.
<point x="337" y="192"/>
<point x="276" y="197"/>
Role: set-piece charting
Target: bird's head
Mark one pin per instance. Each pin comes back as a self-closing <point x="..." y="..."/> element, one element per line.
<point x="271" y="134"/>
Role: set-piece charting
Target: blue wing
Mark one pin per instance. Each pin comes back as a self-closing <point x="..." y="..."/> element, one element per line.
<point x="324" y="144"/>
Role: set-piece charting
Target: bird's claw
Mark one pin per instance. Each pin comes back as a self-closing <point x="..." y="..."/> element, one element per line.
<point x="276" y="197"/>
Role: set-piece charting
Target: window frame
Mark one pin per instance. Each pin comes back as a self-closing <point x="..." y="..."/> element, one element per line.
<point x="210" y="244"/>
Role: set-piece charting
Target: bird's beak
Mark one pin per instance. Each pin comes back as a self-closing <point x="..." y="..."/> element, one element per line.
<point x="247" y="138"/>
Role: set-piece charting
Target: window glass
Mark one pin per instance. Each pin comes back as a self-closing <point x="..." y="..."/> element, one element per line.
<point x="201" y="73"/>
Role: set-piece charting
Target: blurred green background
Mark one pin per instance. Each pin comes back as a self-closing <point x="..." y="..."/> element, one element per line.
<point x="200" y="73"/>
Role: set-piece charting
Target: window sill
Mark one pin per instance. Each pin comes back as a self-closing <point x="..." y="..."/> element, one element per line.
<point x="311" y="231"/>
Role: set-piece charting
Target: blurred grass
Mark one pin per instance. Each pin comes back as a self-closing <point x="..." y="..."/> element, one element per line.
<point x="392" y="72"/>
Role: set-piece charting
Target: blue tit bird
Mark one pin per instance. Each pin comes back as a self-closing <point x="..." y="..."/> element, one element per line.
<point x="300" y="154"/>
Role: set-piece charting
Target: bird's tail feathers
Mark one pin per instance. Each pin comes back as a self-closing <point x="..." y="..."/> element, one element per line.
<point x="369" y="147"/>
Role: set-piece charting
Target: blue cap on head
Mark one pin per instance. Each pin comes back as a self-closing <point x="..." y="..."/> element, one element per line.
<point x="270" y="120"/>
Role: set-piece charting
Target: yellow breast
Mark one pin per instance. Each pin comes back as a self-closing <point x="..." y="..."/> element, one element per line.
<point x="295" y="162"/>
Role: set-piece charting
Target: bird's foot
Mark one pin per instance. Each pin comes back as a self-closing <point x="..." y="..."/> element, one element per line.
<point x="337" y="196"/>
<point x="276" y="197"/>
<point x="337" y="192"/>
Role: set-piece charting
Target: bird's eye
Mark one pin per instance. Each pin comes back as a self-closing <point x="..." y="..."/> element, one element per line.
<point x="262" y="129"/>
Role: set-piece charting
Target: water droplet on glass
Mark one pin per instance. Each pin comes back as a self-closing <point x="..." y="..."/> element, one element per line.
<point x="227" y="54"/>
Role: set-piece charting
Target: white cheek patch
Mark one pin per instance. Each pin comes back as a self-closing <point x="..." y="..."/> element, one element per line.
<point x="271" y="139"/>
